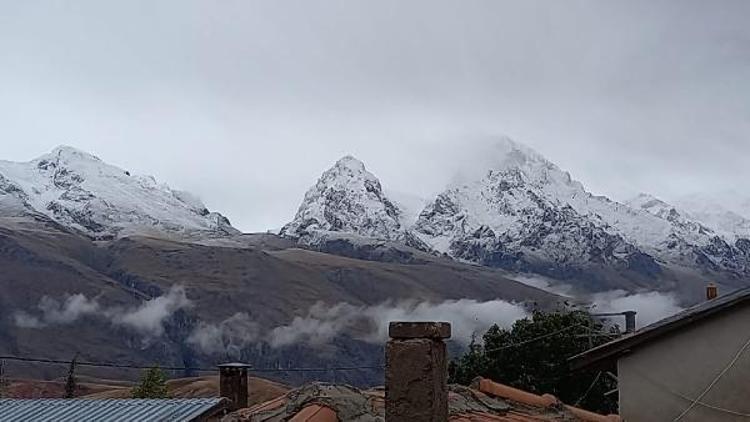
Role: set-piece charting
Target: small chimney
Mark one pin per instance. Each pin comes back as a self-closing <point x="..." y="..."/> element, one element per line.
<point x="629" y="321"/>
<point x="416" y="372"/>
<point x="712" y="292"/>
<point x="233" y="384"/>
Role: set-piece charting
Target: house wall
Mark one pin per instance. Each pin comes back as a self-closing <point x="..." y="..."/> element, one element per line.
<point x="652" y="377"/>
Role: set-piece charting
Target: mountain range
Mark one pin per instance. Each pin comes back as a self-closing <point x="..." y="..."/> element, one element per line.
<point x="525" y="214"/>
<point x="79" y="191"/>
<point x="75" y="230"/>
<point x="120" y="268"/>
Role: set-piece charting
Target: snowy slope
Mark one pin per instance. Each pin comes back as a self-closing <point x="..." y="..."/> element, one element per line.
<point x="727" y="213"/>
<point x="80" y="191"/>
<point x="522" y="212"/>
<point x="349" y="203"/>
<point x="347" y="198"/>
<point x="532" y="208"/>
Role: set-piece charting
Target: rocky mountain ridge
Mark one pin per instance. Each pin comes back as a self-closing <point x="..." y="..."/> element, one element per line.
<point x="82" y="193"/>
<point x="521" y="213"/>
<point x="524" y="214"/>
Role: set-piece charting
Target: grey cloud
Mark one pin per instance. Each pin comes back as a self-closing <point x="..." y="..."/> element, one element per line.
<point x="245" y="103"/>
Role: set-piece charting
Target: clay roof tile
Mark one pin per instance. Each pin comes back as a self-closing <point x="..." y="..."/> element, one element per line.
<point x="315" y="413"/>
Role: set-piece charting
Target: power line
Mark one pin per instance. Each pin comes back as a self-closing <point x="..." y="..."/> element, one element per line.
<point x="715" y="380"/>
<point x="588" y="390"/>
<point x="187" y="368"/>
<point x="689" y="399"/>
<point x="533" y="340"/>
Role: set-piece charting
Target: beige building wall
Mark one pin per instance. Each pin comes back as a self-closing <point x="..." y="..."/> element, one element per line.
<point x="658" y="380"/>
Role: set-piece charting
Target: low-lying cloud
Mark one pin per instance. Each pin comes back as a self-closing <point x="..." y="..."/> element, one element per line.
<point x="147" y="318"/>
<point x="54" y="312"/>
<point x="650" y="306"/>
<point x="227" y="337"/>
<point x="545" y="283"/>
<point x="322" y="323"/>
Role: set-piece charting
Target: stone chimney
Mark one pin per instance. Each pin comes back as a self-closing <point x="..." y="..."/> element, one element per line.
<point x="712" y="292"/>
<point x="416" y="372"/>
<point x="233" y="384"/>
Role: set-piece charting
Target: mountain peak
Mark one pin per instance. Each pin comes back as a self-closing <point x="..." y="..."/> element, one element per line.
<point x="512" y="153"/>
<point x="69" y="152"/>
<point x="350" y="162"/>
<point x="346" y="198"/>
<point x="504" y="159"/>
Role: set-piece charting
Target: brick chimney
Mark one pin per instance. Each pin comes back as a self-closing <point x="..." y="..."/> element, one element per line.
<point x="416" y="372"/>
<point x="712" y="292"/>
<point x="233" y="384"/>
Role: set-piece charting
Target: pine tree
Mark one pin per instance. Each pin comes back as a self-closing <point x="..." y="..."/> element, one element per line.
<point x="4" y="383"/>
<point x="153" y="385"/>
<point x="70" y="381"/>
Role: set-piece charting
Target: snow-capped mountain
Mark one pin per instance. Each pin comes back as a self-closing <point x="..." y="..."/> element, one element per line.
<point x="524" y="213"/>
<point x="349" y="200"/>
<point x="81" y="192"/>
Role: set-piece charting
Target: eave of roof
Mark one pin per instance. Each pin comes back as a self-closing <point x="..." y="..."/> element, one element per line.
<point x="615" y="348"/>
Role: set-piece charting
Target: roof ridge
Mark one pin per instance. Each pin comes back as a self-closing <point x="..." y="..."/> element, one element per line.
<point x="507" y="392"/>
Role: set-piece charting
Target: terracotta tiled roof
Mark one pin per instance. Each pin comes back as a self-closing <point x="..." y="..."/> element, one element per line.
<point x="545" y="401"/>
<point x="485" y="401"/>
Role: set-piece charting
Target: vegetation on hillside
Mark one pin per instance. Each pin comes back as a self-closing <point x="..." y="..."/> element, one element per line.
<point x="153" y="385"/>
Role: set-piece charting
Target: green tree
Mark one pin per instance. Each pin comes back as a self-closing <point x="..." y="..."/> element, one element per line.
<point x="533" y="355"/>
<point x="71" y="386"/>
<point x="153" y="385"/>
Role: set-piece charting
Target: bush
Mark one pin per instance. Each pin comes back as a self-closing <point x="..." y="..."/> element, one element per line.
<point x="153" y="385"/>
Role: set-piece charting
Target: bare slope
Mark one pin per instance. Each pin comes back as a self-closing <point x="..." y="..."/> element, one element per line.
<point x="271" y="285"/>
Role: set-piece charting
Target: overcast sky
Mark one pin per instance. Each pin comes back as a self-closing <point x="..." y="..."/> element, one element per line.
<point x="246" y="102"/>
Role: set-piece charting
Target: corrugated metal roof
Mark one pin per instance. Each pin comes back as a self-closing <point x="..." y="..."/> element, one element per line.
<point x="111" y="410"/>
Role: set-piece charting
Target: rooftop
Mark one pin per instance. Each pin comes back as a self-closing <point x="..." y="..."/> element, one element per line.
<point x="484" y="401"/>
<point x="121" y="410"/>
<point x="612" y="350"/>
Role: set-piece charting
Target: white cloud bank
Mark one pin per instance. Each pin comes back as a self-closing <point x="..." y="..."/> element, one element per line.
<point x="650" y="306"/>
<point x="147" y="318"/>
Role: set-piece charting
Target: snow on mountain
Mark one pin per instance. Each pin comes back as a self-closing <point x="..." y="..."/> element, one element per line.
<point x="409" y="205"/>
<point x="79" y="191"/>
<point x="518" y="211"/>
<point x="679" y="220"/>
<point x="526" y="209"/>
<point x="726" y="213"/>
<point x="524" y="212"/>
<point x="347" y="198"/>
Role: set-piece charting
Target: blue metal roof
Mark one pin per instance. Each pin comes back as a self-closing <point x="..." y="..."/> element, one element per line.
<point x="109" y="410"/>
